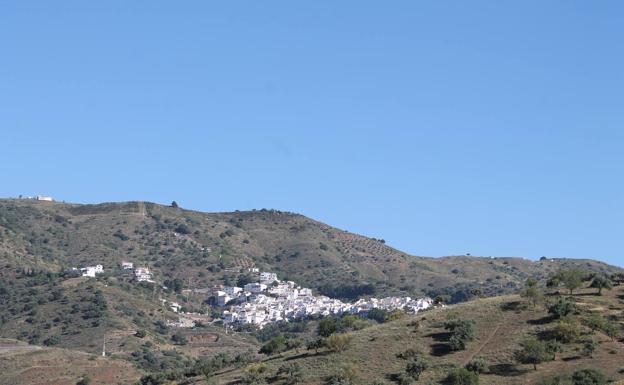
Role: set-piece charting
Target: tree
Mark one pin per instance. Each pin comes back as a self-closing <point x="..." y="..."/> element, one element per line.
<point x="533" y="294"/>
<point x="589" y="347"/>
<point x="174" y="204"/>
<point x="462" y="376"/>
<point x="476" y="365"/>
<point x="562" y="308"/>
<point x="601" y="282"/>
<point x="533" y="352"/>
<point x="327" y="327"/>
<point x="588" y="377"/>
<point x="338" y="342"/>
<point x="553" y="347"/>
<point x="572" y="279"/>
<point x="415" y="368"/>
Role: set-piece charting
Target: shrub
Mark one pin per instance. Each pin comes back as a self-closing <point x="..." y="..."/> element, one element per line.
<point x="408" y="354"/>
<point x="415" y="368"/>
<point x="291" y="372"/>
<point x="179" y="339"/>
<point x="345" y="376"/>
<point x="54" y="340"/>
<point x="338" y="342"/>
<point x="594" y="322"/>
<point x="275" y="345"/>
<point x="476" y="365"/>
<point x="462" y="331"/>
<point x="533" y="352"/>
<point x="588" y="377"/>
<point x="567" y="331"/>
<point x="316" y="344"/>
<point x="589" y="347"/>
<point x="327" y="327"/>
<point x="140" y="333"/>
<point x="562" y="308"/>
<point x="462" y="376"/>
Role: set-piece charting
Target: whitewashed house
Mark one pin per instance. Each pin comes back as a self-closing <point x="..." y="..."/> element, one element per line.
<point x="255" y="287"/>
<point x="127" y="265"/>
<point x="91" y="271"/>
<point x="143" y="274"/>
<point x="268" y="278"/>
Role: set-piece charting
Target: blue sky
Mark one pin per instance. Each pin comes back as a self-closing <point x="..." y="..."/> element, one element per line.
<point x="491" y="128"/>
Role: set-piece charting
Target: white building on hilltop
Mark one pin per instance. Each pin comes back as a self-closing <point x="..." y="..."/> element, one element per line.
<point x="44" y="198"/>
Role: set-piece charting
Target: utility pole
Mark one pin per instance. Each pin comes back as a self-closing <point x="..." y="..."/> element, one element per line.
<point x="104" y="345"/>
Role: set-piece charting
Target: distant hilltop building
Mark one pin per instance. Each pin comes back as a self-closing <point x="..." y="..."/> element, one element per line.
<point x="44" y="198"/>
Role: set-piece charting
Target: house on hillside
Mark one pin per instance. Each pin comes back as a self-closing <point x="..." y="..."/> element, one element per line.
<point x="255" y="287"/>
<point x="91" y="271"/>
<point x="268" y="278"/>
<point x="143" y="274"/>
<point x="127" y="265"/>
<point x="43" y="198"/>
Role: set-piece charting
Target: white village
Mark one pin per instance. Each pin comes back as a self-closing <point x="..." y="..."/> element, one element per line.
<point x="270" y="300"/>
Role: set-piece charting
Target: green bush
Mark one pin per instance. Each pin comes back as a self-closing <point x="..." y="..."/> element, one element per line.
<point x="588" y="377"/>
<point x="562" y="308"/>
<point x="476" y="365"/>
<point x="462" y="376"/>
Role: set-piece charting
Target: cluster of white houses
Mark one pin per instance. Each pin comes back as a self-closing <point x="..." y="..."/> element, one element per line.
<point x="141" y="274"/>
<point x="270" y="300"/>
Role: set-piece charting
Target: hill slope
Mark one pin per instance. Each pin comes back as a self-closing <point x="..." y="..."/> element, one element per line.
<point x="207" y="248"/>
<point x="500" y="325"/>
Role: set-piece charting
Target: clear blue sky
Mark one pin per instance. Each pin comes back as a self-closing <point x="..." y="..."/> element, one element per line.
<point x="445" y="127"/>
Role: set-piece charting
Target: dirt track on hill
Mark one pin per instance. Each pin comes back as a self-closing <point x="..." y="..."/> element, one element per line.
<point x="14" y="348"/>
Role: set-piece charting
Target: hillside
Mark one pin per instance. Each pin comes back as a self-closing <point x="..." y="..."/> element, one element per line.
<point x="202" y="249"/>
<point x="69" y="317"/>
<point x="501" y="324"/>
